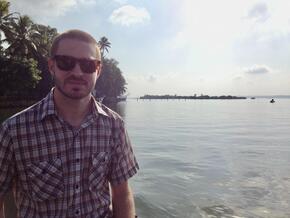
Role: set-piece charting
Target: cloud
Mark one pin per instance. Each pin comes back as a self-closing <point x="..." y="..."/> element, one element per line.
<point x="48" y="8"/>
<point x="180" y="40"/>
<point x="238" y="78"/>
<point x="87" y="2"/>
<point x="152" y="79"/>
<point x="257" y="69"/>
<point x="129" y="15"/>
<point x="259" y="12"/>
<point x="121" y="1"/>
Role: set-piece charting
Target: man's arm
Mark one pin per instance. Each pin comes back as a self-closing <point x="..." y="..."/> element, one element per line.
<point x="1" y="208"/>
<point x="123" y="201"/>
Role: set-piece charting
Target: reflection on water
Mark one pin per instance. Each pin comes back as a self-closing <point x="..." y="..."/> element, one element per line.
<point x="219" y="211"/>
<point x="211" y="158"/>
<point x="119" y="107"/>
<point x="144" y="207"/>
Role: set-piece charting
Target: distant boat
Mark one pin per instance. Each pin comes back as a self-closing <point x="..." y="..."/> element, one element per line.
<point x="253" y="98"/>
<point x="272" y="101"/>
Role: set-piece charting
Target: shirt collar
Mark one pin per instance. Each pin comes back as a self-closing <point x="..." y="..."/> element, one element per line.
<point x="48" y="107"/>
<point x="97" y="108"/>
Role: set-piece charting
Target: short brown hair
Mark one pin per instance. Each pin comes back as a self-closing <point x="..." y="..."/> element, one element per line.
<point x="74" y="34"/>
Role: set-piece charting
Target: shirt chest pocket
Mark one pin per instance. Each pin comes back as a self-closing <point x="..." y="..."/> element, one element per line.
<point x="98" y="171"/>
<point x="46" y="180"/>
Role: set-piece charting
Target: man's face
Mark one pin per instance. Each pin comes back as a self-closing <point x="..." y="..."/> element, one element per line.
<point x="74" y="83"/>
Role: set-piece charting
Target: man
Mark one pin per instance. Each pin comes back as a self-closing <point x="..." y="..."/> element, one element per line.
<point x="65" y="155"/>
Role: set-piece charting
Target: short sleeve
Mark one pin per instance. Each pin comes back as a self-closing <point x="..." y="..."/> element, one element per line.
<point x="6" y="160"/>
<point x="124" y="164"/>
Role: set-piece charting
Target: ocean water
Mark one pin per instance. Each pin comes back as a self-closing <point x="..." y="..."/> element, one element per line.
<point x="210" y="158"/>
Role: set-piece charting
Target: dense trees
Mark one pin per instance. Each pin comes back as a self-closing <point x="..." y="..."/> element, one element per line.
<point x="22" y="59"/>
<point x="21" y="76"/>
<point x="111" y="82"/>
<point x="24" y="49"/>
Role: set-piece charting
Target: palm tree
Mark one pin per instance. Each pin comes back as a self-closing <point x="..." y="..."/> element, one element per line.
<point x="43" y="38"/>
<point x="4" y="7"/>
<point x="23" y="41"/>
<point x="43" y="41"/>
<point x="104" y="45"/>
<point x="6" y="19"/>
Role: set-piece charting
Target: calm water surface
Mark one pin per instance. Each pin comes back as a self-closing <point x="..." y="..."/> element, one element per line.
<point x="210" y="158"/>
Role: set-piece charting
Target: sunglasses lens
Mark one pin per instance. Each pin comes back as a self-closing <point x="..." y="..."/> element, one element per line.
<point x="65" y="63"/>
<point x="88" y="66"/>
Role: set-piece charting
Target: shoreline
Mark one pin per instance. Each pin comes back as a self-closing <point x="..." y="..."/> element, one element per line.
<point x="178" y="97"/>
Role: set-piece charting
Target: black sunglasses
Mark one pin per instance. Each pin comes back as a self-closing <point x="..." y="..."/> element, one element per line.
<point x="68" y="63"/>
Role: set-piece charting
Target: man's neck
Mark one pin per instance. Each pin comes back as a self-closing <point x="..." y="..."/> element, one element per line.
<point x="72" y="111"/>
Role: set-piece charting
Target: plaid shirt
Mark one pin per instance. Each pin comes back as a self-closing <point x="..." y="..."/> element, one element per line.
<point x="59" y="171"/>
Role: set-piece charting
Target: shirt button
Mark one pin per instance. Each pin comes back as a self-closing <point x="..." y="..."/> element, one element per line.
<point x="77" y="160"/>
<point x="76" y="186"/>
<point x="77" y="212"/>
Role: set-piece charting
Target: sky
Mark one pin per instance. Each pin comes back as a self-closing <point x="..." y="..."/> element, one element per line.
<point x="184" y="47"/>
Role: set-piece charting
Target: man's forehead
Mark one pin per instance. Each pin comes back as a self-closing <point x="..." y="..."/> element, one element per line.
<point x="76" y="47"/>
<point x="74" y="43"/>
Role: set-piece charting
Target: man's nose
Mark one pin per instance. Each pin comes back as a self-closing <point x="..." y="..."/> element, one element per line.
<point x="77" y="70"/>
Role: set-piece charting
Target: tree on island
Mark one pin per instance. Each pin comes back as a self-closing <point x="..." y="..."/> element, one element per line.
<point x="104" y="46"/>
<point x="190" y="97"/>
<point x="111" y="82"/>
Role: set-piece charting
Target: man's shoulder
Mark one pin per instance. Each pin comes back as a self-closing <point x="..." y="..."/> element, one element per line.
<point x="108" y="113"/>
<point x="28" y="114"/>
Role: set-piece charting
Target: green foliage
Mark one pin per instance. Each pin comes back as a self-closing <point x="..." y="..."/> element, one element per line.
<point x="6" y="20"/>
<point x="22" y="42"/>
<point x="18" y="76"/>
<point x="104" y="46"/>
<point x="43" y="41"/>
<point x="19" y="72"/>
<point x="111" y="82"/>
<point x="43" y="38"/>
<point x="4" y="8"/>
<point x="23" y="39"/>
<point x="24" y="50"/>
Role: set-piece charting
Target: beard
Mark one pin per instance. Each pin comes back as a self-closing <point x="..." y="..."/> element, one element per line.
<point x="75" y="93"/>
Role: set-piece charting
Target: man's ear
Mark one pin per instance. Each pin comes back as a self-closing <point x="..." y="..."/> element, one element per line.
<point x="99" y="70"/>
<point x="50" y="64"/>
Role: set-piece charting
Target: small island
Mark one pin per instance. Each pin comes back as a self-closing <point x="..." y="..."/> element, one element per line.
<point x="167" y="97"/>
